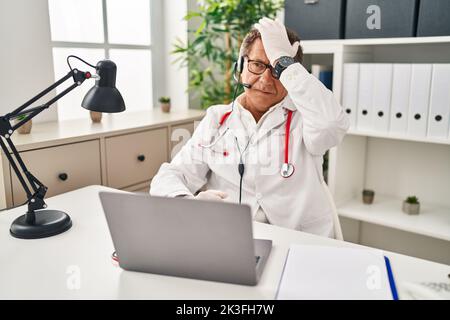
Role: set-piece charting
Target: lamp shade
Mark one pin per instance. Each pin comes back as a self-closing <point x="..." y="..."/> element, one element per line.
<point x="104" y="96"/>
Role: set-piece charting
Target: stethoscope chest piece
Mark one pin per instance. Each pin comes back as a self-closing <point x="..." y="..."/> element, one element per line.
<point x="287" y="169"/>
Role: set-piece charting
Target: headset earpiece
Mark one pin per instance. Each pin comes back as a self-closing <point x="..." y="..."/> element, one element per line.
<point x="240" y="66"/>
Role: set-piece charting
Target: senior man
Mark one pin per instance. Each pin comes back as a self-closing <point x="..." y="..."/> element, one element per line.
<point x="264" y="149"/>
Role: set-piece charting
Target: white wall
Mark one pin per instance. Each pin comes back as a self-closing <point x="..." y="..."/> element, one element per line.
<point x="176" y="82"/>
<point x="25" y="55"/>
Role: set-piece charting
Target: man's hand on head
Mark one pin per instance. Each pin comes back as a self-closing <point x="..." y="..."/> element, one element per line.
<point x="275" y="40"/>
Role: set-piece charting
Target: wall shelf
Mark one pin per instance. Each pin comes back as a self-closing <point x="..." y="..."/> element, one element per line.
<point x="433" y="220"/>
<point x="388" y="135"/>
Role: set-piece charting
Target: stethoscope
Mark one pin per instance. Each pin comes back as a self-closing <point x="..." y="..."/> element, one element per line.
<point x="287" y="168"/>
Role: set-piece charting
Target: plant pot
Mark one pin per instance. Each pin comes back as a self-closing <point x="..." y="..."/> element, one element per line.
<point x="165" y="107"/>
<point x="25" y="128"/>
<point x="368" y="196"/>
<point x="96" y="116"/>
<point x="411" y="208"/>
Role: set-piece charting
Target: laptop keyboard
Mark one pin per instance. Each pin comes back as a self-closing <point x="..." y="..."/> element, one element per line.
<point x="257" y="259"/>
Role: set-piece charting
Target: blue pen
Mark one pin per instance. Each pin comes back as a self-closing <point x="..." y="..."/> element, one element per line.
<point x="391" y="278"/>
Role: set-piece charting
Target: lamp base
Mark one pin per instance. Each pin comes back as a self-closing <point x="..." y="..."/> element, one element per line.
<point x="40" y="224"/>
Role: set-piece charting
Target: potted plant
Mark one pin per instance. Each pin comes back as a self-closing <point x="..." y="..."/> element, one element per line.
<point x="26" y="127"/>
<point x="96" y="116"/>
<point x="411" y="205"/>
<point x="165" y="104"/>
<point x="368" y="196"/>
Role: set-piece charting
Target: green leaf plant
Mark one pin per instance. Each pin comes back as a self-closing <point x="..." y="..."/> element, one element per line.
<point x="412" y="199"/>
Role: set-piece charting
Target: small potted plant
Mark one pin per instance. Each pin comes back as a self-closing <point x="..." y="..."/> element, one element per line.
<point x="165" y="104"/>
<point x="96" y="116"/>
<point x="411" y="205"/>
<point x="368" y="196"/>
<point x="26" y="127"/>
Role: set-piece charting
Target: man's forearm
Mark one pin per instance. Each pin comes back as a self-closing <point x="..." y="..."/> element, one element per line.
<point x="324" y="120"/>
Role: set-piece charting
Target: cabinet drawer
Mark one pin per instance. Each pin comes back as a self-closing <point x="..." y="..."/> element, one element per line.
<point x="178" y="138"/>
<point x="136" y="157"/>
<point x="61" y="168"/>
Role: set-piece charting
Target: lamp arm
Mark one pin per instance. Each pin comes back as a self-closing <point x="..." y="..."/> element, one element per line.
<point x="31" y="113"/>
<point x="78" y="77"/>
<point x="16" y="170"/>
<point x="38" y="96"/>
<point x="35" y="197"/>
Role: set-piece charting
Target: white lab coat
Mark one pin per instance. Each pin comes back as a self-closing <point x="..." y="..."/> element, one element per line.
<point x="298" y="202"/>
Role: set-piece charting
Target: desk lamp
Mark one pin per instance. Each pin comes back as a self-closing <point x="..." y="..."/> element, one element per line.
<point x="103" y="97"/>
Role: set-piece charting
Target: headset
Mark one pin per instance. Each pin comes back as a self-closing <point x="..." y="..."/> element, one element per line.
<point x="238" y="68"/>
<point x="237" y="71"/>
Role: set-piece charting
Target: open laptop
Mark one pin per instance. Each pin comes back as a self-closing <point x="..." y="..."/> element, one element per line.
<point x="209" y="240"/>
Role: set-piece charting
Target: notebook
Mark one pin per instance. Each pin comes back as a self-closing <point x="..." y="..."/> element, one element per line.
<point x="330" y="273"/>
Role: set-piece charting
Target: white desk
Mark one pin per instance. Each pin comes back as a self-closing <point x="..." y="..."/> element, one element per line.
<point x="40" y="269"/>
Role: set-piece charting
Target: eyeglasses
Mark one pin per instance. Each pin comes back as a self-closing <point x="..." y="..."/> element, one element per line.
<point x="257" y="67"/>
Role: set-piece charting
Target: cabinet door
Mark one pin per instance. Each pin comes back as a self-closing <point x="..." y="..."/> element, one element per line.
<point x="61" y="168"/>
<point x="135" y="157"/>
<point x="180" y="134"/>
